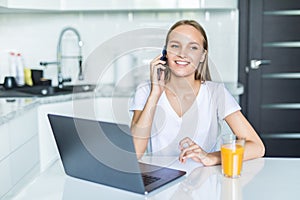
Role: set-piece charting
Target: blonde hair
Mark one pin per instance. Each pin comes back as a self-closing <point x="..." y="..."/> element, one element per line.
<point x="202" y="72"/>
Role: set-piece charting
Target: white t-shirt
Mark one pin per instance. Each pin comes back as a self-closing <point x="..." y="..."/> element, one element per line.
<point x="202" y="122"/>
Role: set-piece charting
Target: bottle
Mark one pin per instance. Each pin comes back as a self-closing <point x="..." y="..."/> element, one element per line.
<point x="20" y="70"/>
<point x="12" y="64"/>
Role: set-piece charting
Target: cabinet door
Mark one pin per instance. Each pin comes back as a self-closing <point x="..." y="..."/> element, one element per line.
<point x="118" y="4"/>
<point x="32" y="4"/>
<point x="19" y="152"/>
<point x="48" y="150"/>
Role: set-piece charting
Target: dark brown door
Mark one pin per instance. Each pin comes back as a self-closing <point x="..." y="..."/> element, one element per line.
<point x="274" y="74"/>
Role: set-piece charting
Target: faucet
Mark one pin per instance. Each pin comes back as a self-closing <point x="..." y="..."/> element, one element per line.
<point x="60" y="57"/>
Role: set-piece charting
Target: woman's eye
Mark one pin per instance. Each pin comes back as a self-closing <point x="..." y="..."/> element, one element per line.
<point x="174" y="46"/>
<point x="194" y="48"/>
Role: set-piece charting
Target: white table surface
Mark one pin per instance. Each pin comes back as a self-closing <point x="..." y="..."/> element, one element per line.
<point x="265" y="178"/>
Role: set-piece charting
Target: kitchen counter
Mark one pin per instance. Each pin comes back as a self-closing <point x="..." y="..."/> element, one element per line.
<point x="265" y="178"/>
<point x="13" y="106"/>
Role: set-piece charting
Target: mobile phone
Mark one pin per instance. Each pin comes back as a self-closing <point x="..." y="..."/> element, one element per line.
<point x="164" y="58"/>
<point x="164" y="53"/>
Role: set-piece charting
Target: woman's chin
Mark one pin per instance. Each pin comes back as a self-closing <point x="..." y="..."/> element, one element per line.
<point x="183" y="73"/>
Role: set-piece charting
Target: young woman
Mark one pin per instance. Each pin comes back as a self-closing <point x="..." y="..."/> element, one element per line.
<point x="180" y="111"/>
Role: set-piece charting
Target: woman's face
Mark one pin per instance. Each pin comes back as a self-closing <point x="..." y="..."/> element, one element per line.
<point x="185" y="50"/>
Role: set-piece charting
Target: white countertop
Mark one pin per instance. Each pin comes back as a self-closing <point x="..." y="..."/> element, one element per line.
<point x="10" y="107"/>
<point x="265" y="178"/>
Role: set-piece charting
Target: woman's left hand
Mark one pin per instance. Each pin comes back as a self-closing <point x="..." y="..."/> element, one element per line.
<point x="189" y="149"/>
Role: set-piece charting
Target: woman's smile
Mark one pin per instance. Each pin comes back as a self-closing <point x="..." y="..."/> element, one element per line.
<point x="182" y="63"/>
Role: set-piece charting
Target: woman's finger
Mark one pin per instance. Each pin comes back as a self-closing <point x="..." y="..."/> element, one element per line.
<point x="185" y="151"/>
<point x="155" y="65"/>
<point x="157" y="61"/>
<point x="186" y="142"/>
<point x="195" y="152"/>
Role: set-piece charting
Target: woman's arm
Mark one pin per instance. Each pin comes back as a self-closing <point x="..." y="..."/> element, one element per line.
<point x="141" y="123"/>
<point x="254" y="147"/>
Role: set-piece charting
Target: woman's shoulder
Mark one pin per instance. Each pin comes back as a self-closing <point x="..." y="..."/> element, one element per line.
<point x="139" y="99"/>
<point x="144" y="86"/>
<point x="215" y="90"/>
<point x="213" y="85"/>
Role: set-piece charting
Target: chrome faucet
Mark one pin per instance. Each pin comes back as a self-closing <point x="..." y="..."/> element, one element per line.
<point x="60" y="57"/>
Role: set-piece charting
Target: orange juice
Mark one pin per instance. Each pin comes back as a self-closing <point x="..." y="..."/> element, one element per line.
<point x="232" y="159"/>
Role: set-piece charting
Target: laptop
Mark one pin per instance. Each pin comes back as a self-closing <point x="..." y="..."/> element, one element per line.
<point x="103" y="152"/>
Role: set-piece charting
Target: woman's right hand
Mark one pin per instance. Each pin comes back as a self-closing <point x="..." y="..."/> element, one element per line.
<point x="157" y="83"/>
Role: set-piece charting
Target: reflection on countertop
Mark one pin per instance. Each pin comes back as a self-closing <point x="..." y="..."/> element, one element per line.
<point x="260" y="180"/>
<point x="204" y="179"/>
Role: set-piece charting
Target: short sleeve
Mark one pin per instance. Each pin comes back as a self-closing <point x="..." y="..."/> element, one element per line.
<point x="138" y="101"/>
<point x="226" y="102"/>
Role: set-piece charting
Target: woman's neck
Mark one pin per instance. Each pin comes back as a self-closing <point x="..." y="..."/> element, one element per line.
<point x="183" y="85"/>
<point x="181" y="94"/>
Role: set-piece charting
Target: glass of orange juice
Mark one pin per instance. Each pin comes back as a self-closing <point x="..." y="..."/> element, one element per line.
<point x="232" y="153"/>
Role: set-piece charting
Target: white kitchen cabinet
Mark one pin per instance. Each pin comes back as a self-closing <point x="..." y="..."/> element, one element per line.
<point x="3" y="3"/>
<point x="22" y="129"/>
<point x="48" y="151"/>
<point x="31" y="4"/>
<point x="4" y="138"/>
<point x="5" y="181"/>
<point x="128" y="4"/>
<point x="89" y="5"/>
<point x="19" y="153"/>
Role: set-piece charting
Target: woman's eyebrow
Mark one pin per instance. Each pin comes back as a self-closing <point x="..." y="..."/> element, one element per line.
<point x="195" y="43"/>
<point x="174" y="41"/>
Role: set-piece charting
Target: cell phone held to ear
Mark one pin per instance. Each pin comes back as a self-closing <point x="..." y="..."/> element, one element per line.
<point x="164" y="53"/>
<point x="163" y="58"/>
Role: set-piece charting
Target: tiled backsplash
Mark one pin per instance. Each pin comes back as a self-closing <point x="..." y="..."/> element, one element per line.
<point x="35" y="35"/>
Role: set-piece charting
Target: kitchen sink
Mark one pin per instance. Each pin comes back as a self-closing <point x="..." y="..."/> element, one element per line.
<point x="41" y="91"/>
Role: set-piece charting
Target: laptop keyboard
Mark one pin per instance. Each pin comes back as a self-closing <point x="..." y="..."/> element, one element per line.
<point x="149" y="179"/>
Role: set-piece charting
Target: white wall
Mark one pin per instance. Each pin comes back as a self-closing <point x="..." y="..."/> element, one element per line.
<point x="35" y="35"/>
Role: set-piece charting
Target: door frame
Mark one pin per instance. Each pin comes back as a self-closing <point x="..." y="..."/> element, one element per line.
<point x="250" y="28"/>
<point x="243" y="43"/>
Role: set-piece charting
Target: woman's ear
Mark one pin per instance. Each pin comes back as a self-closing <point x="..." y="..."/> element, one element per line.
<point x="203" y="56"/>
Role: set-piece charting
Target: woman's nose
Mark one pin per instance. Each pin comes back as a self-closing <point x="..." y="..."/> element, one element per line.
<point x="181" y="53"/>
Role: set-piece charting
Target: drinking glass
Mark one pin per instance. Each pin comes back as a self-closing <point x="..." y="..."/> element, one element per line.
<point x="232" y="153"/>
